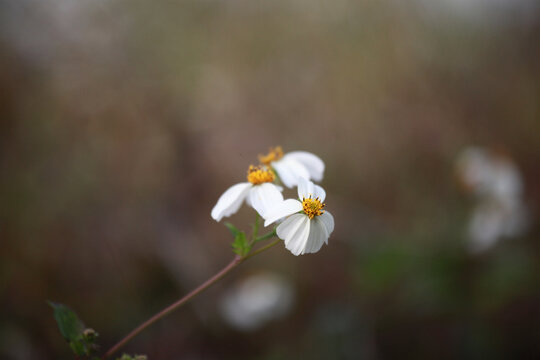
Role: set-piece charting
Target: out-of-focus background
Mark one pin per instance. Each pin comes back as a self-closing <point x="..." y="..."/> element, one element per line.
<point x="122" y="122"/>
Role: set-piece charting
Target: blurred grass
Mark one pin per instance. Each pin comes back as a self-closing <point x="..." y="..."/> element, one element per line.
<point x="123" y="122"/>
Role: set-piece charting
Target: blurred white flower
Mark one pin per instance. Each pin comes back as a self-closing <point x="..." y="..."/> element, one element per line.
<point x="258" y="191"/>
<point x="257" y="300"/>
<point x="491" y="221"/>
<point x="294" y="165"/>
<point x="307" y="226"/>
<point x="489" y="175"/>
<point x="497" y="184"/>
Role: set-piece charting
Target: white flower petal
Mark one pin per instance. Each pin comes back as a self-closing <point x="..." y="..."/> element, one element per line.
<point x="295" y="231"/>
<point x="264" y="197"/>
<point x="290" y="170"/>
<point x="317" y="236"/>
<point x="328" y="220"/>
<point x="313" y="164"/>
<point x="319" y="193"/>
<point x="307" y="188"/>
<point x="281" y="210"/>
<point x="230" y="201"/>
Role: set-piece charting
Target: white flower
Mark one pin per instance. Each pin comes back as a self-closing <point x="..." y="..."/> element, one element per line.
<point x="294" y="165"/>
<point x="491" y="221"/>
<point x="259" y="192"/>
<point x="307" y="226"/>
<point x="490" y="175"/>
<point x="497" y="183"/>
<point x="257" y="300"/>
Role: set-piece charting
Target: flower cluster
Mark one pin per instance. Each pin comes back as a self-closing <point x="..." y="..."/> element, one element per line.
<point x="499" y="211"/>
<point x="304" y="225"/>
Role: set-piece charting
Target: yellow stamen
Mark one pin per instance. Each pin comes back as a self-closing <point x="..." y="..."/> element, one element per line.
<point x="259" y="174"/>
<point x="274" y="154"/>
<point x="312" y="207"/>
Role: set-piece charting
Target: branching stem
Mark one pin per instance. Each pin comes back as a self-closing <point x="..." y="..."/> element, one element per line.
<point x="255" y="228"/>
<point x="237" y="260"/>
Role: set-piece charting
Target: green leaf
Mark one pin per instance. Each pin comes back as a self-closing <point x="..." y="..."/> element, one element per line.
<point x="81" y="340"/>
<point x="234" y="231"/>
<point x="240" y="244"/>
<point x="71" y="327"/>
<point x="78" y="347"/>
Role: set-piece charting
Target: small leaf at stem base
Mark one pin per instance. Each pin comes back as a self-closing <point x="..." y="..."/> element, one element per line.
<point x="80" y="340"/>
<point x="68" y="322"/>
<point x="240" y="244"/>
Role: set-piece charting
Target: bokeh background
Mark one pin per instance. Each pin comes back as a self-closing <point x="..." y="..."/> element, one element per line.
<point x="122" y="122"/>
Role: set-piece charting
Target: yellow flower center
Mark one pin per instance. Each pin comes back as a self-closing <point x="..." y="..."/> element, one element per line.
<point x="312" y="207"/>
<point x="258" y="175"/>
<point x="274" y="154"/>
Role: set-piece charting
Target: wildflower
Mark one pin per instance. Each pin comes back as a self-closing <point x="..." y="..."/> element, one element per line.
<point x="294" y="165"/>
<point x="307" y="226"/>
<point x="497" y="184"/>
<point x="491" y="221"/>
<point x="258" y="191"/>
<point x="257" y="300"/>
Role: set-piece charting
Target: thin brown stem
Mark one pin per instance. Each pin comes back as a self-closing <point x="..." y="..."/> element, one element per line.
<point x="234" y="263"/>
<point x="258" y="251"/>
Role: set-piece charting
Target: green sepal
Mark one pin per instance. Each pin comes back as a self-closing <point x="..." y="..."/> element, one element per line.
<point x="240" y="244"/>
